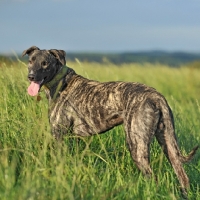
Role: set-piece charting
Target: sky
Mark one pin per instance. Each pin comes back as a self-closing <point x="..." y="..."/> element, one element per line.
<point x="100" y="26"/>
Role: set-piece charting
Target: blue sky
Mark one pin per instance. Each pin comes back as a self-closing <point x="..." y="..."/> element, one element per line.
<point x="100" y="26"/>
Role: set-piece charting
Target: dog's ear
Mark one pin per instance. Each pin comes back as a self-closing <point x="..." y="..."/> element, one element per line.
<point x="30" y="50"/>
<point x="59" y="55"/>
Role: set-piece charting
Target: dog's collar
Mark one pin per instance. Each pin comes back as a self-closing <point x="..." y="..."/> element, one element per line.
<point x="61" y="73"/>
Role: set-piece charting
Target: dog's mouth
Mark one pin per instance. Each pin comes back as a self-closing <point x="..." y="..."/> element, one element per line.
<point x="34" y="87"/>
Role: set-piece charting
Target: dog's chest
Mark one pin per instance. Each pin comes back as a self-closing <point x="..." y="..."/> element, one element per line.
<point x="88" y="112"/>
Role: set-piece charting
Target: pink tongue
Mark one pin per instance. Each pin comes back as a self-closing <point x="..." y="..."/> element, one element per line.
<point x="33" y="88"/>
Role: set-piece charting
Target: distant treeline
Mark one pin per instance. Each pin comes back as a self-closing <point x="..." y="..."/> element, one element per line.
<point x="172" y="59"/>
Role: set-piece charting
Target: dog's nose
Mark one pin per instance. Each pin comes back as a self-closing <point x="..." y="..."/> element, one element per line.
<point x="31" y="77"/>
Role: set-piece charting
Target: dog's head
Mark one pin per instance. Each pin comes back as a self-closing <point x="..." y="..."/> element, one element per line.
<point x="42" y="66"/>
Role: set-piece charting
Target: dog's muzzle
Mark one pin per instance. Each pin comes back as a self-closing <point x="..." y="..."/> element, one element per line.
<point x="31" y="77"/>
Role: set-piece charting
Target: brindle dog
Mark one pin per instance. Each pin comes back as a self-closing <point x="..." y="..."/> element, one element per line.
<point x="88" y="107"/>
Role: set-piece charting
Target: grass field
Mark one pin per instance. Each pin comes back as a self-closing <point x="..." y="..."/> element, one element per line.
<point x="34" y="166"/>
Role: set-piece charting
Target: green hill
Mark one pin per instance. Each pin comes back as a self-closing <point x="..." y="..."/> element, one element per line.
<point x="173" y="59"/>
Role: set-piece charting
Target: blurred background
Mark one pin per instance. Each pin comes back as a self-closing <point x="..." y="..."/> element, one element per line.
<point x="118" y="31"/>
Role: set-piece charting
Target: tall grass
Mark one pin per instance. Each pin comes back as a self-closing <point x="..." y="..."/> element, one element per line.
<point x="35" y="166"/>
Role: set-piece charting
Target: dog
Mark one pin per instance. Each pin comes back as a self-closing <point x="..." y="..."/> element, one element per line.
<point x="86" y="107"/>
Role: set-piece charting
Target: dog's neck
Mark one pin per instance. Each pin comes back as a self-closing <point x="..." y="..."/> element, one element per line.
<point x="56" y="85"/>
<point x="53" y="87"/>
<point x="60" y="74"/>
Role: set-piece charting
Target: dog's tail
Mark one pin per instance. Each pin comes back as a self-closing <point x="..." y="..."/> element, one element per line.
<point x="166" y="134"/>
<point x="185" y="159"/>
<point x="166" y="137"/>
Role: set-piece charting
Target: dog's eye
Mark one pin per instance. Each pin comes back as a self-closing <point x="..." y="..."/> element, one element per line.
<point x="44" y="63"/>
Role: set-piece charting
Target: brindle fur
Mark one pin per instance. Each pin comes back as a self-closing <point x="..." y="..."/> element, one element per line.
<point x="88" y="107"/>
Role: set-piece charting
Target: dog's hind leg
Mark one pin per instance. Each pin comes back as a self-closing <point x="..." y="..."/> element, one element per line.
<point x="140" y="128"/>
<point x="140" y="153"/>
